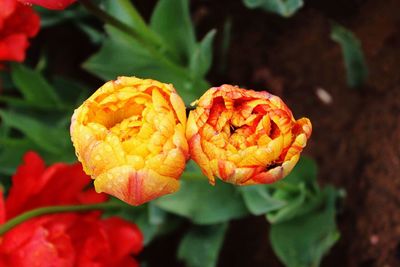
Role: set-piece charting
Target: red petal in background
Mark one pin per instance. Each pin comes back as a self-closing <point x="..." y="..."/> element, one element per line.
<point x="6" y="8"/>
<point x="124" y="237"/>
<point x="12" y="47"/>
<point x="36" y="186"/>
<point x="50" y="4"/>
<point x="17" y="24"/>
<point x="40" y="242"/>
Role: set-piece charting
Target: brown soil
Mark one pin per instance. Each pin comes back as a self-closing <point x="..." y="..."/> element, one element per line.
<point x="355" y="138"/>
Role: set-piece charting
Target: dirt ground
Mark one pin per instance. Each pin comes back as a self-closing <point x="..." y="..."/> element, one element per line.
<point x="355" y="138"/>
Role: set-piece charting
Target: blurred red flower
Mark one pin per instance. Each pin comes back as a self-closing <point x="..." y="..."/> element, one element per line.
<point x="34" y="186"/>
<point x="64" y="239"/>
<point x="17" y="24"/>
<point x="50" y="4"/>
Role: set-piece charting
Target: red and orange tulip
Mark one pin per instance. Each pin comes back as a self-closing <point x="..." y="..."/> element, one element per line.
<point x="130" y="137"/>
<point x="245" y="137"/>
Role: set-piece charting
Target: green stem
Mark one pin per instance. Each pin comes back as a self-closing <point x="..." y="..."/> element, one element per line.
<point x="56" y="209"/>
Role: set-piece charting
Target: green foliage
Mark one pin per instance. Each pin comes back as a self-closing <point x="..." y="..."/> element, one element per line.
<point x="299" y="190"/>
<point x="356" y="68"/>
<point x="303" y="228"/>
<point x="34" y="88"/>
<point x="171" y="21"/>
<point x="201" y="245"/>
<point x="258" y="199"/>
<point x="292" y="206"/>
<point x="304" y="240"/>
<point x="165" y="50"/>
<point x="51" y="139"/>
<point x="205" y="204"/>
<point x="219" y="203"/>
<point x="285" y="8"/>
<point x="27" y="124"/>
<point x="11" y="152"/>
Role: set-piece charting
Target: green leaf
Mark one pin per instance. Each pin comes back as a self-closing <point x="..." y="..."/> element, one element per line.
<point x="12" y="150"/>
<point x="259" y="201"/>
<point x="201" y="245"/>
<point x="303" y="241"/>
<point x="356" y="68"/>
<point x="171" y="20"/>
<point x="126" y="12"/>
<point x="304" y="172"/>
<point x="123" y="55"/>
<point x="201" y="59"/>
<point x="71" y="92"/>
<point x="205" y="204"/>
<point x="156" y="215"/>
<point x="51" y="139"/>
<point x="6" y="82"/>
<point x="34" y="87"/>
<point x="294" y="203"/>
<point x="285" y="8"/>
<point x="299" y="191"/>
<point x="20" y="103"/>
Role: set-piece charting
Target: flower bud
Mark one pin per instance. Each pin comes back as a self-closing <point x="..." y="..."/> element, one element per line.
<point x="245" y="137"/>
<point x="130" y="137"/>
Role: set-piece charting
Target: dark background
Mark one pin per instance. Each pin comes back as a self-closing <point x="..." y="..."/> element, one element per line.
<point x="356" y="138"/>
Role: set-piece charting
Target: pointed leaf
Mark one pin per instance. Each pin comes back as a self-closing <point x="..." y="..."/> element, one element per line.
<point x="126" y="12"/>
<point x="34" y="87"/>
<point x="171" y="20"/>
<point x="353" y="55"/>
<point x="201" y="59"/>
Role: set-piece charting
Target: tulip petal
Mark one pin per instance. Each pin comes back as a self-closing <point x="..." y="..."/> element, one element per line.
<point x="135" y="186"/>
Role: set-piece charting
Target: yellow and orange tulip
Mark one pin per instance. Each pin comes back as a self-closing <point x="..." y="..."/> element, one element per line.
<point x="130" y="137"/>
<point x="245" y="137"/>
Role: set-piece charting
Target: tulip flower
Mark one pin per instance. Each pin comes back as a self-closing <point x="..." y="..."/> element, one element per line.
<point x="130" y="137"/>
<point x="245" y="137"/>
